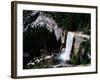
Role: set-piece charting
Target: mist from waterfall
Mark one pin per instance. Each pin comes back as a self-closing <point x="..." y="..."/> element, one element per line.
<point x="65" y="55"/>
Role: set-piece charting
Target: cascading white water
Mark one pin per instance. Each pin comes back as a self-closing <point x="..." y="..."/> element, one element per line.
<point x="65" y="55"/>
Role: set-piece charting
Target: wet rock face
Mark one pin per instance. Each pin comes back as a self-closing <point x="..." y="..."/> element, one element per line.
<point x="77" y="42"/>
<point x="81" y="49"/>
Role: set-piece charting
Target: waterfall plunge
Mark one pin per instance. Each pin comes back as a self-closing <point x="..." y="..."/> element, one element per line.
<point x="66" y="54"/>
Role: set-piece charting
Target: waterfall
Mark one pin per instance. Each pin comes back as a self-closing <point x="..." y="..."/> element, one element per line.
<point x="65" y="55"/>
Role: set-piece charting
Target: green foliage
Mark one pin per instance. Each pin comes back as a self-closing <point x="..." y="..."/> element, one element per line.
<point x="39" y="66"/>
<point x="87" y="52"/>
<point x="82" y="57"/>
<point x="72" y="21"/>
<point x="74" y="59"/>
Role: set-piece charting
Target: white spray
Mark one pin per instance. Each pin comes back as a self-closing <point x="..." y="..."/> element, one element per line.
<point x="65" y="55"/>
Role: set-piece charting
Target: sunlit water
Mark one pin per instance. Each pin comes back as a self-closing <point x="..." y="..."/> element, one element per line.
<point x="65" y="55"/>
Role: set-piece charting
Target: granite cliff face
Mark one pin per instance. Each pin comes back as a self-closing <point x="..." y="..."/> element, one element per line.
<point x="40" y="19"/>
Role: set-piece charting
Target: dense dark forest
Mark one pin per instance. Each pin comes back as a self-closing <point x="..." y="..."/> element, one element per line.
<point x="42" y="37"/>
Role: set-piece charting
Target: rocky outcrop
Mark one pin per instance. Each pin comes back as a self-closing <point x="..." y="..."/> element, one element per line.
<point x="81" y="49"/>
<point x="40" y="19"/>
